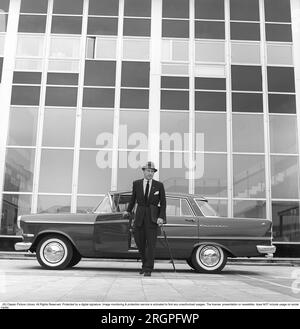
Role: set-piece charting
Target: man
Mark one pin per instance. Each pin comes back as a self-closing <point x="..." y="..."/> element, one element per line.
<point x="148" y="193"/>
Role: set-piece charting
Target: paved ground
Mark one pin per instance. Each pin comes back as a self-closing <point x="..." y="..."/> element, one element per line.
<point x="23" y="280"/>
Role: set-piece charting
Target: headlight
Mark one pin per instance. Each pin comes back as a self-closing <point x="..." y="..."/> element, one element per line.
<point x="19" y="222"/>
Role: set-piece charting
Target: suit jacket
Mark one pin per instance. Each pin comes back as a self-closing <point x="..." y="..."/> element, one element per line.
<point x="156" y="196"/>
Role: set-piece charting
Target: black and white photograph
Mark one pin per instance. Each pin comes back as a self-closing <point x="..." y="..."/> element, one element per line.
<point x="149" y="157"/>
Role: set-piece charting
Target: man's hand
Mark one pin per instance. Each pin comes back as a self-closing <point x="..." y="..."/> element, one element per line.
<point x="160" y="221"/>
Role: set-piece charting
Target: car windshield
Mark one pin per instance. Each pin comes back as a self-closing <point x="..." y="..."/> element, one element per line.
<point x="206" y="209"/>
<point x="104" y="207"/>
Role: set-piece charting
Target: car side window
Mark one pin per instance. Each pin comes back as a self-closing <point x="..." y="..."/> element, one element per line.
<point x="185" y="208"/>
<point x="173" y="207"/>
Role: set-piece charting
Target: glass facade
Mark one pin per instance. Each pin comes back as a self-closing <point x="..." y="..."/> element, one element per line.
<point x="92" y="80"/>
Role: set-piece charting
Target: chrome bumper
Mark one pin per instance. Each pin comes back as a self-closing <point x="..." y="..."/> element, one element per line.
<point x="266" y="249"/>
<point x="22" y="245"/>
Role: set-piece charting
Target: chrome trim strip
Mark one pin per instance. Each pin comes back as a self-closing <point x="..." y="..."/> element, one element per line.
<point x="235" y="238"/>
<point x="22" y="245"/>
<point x="180" y="225"/>
<point x="56" y="222"/>
<point x="28" y="235"/>
<point x="179" y="237"/>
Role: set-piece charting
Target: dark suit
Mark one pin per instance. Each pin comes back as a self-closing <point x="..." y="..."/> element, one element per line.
<point x="145" y="225"/>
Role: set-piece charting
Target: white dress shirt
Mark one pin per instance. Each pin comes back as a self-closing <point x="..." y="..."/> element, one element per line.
<point x="145" y="184"/>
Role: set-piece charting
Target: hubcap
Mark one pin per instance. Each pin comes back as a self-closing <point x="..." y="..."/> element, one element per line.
<point x="210" y="256"/>
<point x="54" y="252"/>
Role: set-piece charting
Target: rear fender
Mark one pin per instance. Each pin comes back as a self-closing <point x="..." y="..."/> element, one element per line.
<point x="229" y="252"/>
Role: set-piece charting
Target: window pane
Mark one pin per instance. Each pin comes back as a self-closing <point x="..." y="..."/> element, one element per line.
<point x="56" y="171"/>
<point x="220" y="206"/>
<point x="135" y="74"/>
<point x="94" y="172"/>
<point x="27" y="77"/>
<point x="129" y="168"/>
<point x="19" y="169"/>
<point x="66" y="24"/>
<point x="30" y="46"/>
<point x="249" y="176"/>
<point x="244" y="10"/>
<point x="283" y="134"/>
<point x="176" y="100"/>
<point x="213" y="9"/>
<point x="281" y="79"/>
<point x="174" y="131"/>
<point x="210" y="101"/>
<point x="285" y="177"/>
<point x="211" y="175"/>
<point x="173" y="207"/>
<point x="247" y="102"/>
<point x="244" y="31"/>
<point x="175" y="29"/>
<point x="278" y="32"/>
<point x="282" y="103"/>
<point x="245" y="53"/>
<point x="58" y="65"/>
<point x="246" y="78"/>
<point x="280" y="54"/>
<point x="277" y="10"/>
<point x="28" y="65"/>
<point x="32" y="23"/>
<point x="175" y="8"/>
<point x="59" y="127"/>
<point x="34" y="6"/>
<point x="175" y="82"/>
<point x="13" y="205"/>
<point x="22" y="126"/>
<point x="87" y="203"/>
<point x="2" y="42"/>
<point x="209" y="51"/>
<point x="3" y="22"/>
<point x="62" y="47"/>
<point x="136" y="49"/>
<point x="102" y="25"/>
<point x="135" y="98"/>
<point x="106" y="48"/>
<point x="68" y="7"/>
<point x="249" y="209"/>
<point x="54" y="204"/>
<point x="173" y="172"/>
<point x="243" y="126"/>
<point x="25" y="95"/>
<point x="175" y="50"/>
<point x="286" y="221"/>
<point x="59" y="96"/>
<point x="62" y="79"/>
<point x="137" y="8"/>
<point x="137" y="26"/>
<point x="97" y="128"/>
<point x="208" y="124"/>
<point x="98" y="97"/>
<point x="174" y="69"/>
<point x="208" y="70"/>
<point x="100" y="73"/>
<point x="104" y="7"/>
<point x="210" y="83"/>
<point x="133" y="130"/>
<point x="209" y="30"/>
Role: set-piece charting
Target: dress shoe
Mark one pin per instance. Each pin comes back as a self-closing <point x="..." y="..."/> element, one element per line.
<point x="142" y="271"/>
<point x="147" y="274"/>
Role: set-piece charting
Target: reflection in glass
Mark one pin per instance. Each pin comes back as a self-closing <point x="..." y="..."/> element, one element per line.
<point x="22" y="126"/>
<point x="249" y="176"/>
<point x="56" y="171"/>
<point x="129" y="168"/>
<point x="286" y="221"/>
<point x="59" y="127"/>
<point x="31" y="23"/>
<point x="13" y="205"/>
<point x="211" y="174"/>
<point x="63" y="47"/>
<point x="249" y="208"/>
<point x="242" y="102"/>
<point x="243" y="126"/>
<point x="54" y="204"/>
<point x="220" y="206"/>
<point x="138" y="49"/>
<point x="245" y="53"/>
<point x="102" y="26"/>
<point x="30" y="46"/>
<point x="174" y="100"/>
<point x="282" y="103"/>
<point x="209" y="51"/>
<point x="135" y="98"/>
<point x="246" y="78"/>
<point x="66" y="24"/>
<point x="209" y="30"/>
<point x="281" y="79"/>
<point x="19" y="166"/>
<point x="94" y="172"/>
<point x="61" y="96"/>
<point x="244" y="31"/>
<point x="210" y="101"/>
<point x="96" y="128"/>
<point x="280" y="54"/>
<point x="58" y="65"/>
<point x="279" y="32"/>
<point x="98" y="97"/>
<point x="174" y="131"/>
<point x="135" y="74"/>
<point x="284" y="177"/>
<point x="283" y="134"/>
<point x="133" y="130"/>
<point x="137" y="27"/>
<point x="87" y="203"/>
<point x="175" y="28"/>
<point x="28" y="64"/>
<point x="100" y="73"/>
<point x="212" y="9"/>
<point x="277" y="10"/>
<point x="208" y="124"/>
<point x="244" y="10"/>
<point x="173" y="171"/>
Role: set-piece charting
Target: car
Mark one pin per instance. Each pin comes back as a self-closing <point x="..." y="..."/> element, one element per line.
<point x="194" y="232"/>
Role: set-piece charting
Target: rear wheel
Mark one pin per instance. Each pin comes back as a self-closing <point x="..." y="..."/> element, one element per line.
<point x="54" y="252"/>
<point x="209" y="258"/>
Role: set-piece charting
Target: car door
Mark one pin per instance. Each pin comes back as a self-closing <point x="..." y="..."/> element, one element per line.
<point x="181" y="229"/>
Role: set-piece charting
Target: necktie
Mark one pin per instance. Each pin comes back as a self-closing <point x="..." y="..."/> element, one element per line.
<point x="146" y="192"/>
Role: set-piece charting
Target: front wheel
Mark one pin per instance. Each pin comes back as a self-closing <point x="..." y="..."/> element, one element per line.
<point x="208" y="258"/>
<point x="54" y="252"/>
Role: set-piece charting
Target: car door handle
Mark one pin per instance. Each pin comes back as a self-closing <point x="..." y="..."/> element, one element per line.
<point x="190" y="220"/>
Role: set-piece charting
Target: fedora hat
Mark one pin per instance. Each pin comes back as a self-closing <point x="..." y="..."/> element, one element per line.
<point x="149" y="165"/>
